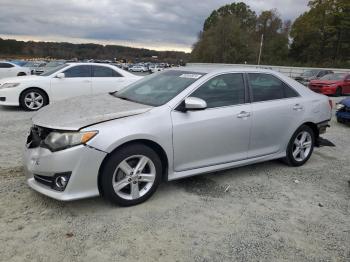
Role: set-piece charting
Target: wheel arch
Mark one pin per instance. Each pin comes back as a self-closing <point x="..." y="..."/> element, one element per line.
<point x="150" y="143"/>
<point x="314" y="128"/>
<point x="33" y="87"/>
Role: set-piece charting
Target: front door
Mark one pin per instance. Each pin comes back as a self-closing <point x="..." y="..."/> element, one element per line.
<point x="220" y="133"/>
<point x="77" y="82"/>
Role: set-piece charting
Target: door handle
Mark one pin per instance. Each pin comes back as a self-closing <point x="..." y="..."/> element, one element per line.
<point x="298" y="107"/>
<point x="243" y="114"/>
<point x="87" y="81"/>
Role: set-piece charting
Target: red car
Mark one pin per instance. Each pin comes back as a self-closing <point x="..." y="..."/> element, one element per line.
<point x="332" y="84"/>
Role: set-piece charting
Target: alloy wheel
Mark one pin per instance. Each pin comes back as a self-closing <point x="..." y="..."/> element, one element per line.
<point x="33" y="100"/>
<point x="134" y="177"/>
<point x="302" y="146"/>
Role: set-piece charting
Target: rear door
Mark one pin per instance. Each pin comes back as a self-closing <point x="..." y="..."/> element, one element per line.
<point x="276" y="110"/>
<point x="77" y="82"/>
<point x="220" y="133"/>
<point x="106" y="79"/>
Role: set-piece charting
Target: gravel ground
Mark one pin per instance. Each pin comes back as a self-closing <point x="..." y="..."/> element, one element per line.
<point x="263" y="212"/>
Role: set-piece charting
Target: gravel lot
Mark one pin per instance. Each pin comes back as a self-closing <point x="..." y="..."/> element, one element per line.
<point x="264" y="212"/>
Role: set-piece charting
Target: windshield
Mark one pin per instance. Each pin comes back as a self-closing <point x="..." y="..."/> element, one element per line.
<point x="158" y="89"/>
<point x="333" y="77"/>
<point x="54" y="70"/>
<point x="310" y="73"/>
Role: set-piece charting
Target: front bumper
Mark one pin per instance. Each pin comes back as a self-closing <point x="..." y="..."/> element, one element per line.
<point x="8" y="97"/>
<point x="82" y="162"/>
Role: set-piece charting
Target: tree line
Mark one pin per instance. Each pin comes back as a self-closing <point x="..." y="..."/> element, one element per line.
<point x="20" y="49"/>
<point x="318" y="37"/>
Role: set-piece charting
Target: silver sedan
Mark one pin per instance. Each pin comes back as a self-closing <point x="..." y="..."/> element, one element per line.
<point x="171" y="125"/>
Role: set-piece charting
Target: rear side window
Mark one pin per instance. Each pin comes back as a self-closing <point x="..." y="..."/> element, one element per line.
<point x="222" y="90"/>
<point x="266" y="87"/>
<point x="6" y="65"/>
<point x="102" y="71"/>
<point x="78" y="71"/>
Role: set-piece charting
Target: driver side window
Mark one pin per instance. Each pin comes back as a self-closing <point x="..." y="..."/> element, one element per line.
<point x="222" y="90"/>
<point x="78" y="71"/>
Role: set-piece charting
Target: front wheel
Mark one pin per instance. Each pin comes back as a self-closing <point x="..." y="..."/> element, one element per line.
<point x="300" y="146"/>
<point x="33" y="99"/>
<point x="338" y="92"/>
<point x="131" y="175"/>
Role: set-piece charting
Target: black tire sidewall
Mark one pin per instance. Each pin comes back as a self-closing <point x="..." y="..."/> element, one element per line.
<point x="113" y="161"/>
<point x="22" y="96"/>
<point x="289" y="154"/>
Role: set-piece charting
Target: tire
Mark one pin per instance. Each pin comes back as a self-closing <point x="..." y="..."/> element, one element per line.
<point x="21" y="74"/>
<point x="306" y="147"/>
<point x="338" y="92"/>
<point x="121" y="171"/>
<point x="33" y="99"/>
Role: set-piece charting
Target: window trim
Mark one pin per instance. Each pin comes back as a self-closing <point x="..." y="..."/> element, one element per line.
<point x="265" y="73"/>
<point x="7" y="63"/>
<point x="246" y="92"/>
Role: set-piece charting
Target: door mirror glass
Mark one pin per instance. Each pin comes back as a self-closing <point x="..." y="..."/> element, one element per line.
<point x="194" y="103"/>
<point x="60" y="75"/>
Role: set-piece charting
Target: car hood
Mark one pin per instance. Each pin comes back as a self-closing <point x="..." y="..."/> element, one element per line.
<point x="324" y="82"/>
<point x="345" y="102"/>
<point x="20" y="79"/>
<point x="76" y="113"/>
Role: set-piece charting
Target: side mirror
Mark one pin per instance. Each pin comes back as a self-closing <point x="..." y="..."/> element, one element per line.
<point x="60" y="75"/>
<point x="195" y="103"/>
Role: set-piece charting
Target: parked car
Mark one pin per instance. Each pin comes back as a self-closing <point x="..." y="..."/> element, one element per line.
<point x="165" y="126"/>
<point x="49" y="66"/>
<point x="138" y="69"/>
<point x="33" y="65"/>
<point x="156" y="69"/>
<point x="312" y="74"/>
<point x="65" y="81"/>
<point x="343" y="111"/>
<point x="332" y="84"/>
<point x="8" y="69"/>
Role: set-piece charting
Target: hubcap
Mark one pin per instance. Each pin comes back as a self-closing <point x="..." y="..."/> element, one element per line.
<point x="134" y="177"/>
<point x="34" y="100"/>
<point x="302" y="146"/>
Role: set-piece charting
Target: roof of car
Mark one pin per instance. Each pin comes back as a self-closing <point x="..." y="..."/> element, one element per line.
<point x="220" y="68"/>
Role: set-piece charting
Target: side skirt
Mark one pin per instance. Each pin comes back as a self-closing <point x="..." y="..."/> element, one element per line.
<point x="205" y="170"/>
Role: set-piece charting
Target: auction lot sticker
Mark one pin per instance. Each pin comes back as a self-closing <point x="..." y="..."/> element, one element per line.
<point x="192" y="76"/>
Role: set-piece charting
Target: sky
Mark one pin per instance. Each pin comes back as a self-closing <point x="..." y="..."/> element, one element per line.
<point x="153" y="24"/>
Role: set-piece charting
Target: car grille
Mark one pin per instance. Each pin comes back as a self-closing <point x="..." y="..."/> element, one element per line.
<point x="36" y="136"/>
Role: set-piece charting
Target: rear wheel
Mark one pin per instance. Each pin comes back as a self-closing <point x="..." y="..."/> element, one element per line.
<point x="131" y="175"/>
<point x="300" y="146"/>
<point x="33" y="99"/>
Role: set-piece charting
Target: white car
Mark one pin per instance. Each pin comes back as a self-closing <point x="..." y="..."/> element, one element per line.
<point x="157" y="69"/>
<point x="65" y="81"/>
<point x="8" y="69"/>
<point x="138" y="69"/>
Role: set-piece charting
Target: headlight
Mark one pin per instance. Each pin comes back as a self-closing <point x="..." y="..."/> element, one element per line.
<point x="61" y="140"/>
<point x="9" y="85"/>
<point x="340" y="106"/>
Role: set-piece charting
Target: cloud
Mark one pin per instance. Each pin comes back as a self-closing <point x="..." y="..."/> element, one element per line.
<point x="160" y="24"/>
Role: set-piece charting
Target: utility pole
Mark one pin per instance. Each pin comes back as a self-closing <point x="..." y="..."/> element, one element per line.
<point x="261" y="45"/>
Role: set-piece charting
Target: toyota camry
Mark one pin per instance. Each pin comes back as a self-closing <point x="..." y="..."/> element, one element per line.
<point x="170" y="125"/>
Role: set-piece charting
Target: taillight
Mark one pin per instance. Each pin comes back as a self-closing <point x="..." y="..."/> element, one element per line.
<point x="330" y="103"/>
